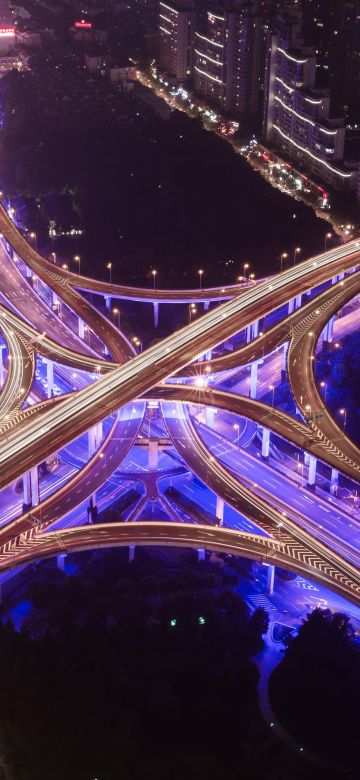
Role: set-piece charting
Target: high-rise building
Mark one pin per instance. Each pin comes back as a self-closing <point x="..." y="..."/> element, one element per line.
<point x="333" y="28"/>
<point x="176" y="26"/>
<point x="7" y="29"/>
<point x="227" y="58"/>
<point x="297" y="116"/>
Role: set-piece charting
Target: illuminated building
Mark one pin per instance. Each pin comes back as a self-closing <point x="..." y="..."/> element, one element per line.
<point x="176" y="27"/>
<point x="227" y="58"/>
<point x="7" y="29"/>
<point x="297" y="116"/>
<point x="333" y="28"/>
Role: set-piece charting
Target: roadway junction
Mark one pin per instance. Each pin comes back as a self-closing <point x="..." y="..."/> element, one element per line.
<point x="107" y="388"/>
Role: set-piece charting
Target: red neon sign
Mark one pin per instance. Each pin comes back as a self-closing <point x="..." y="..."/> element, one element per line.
<point x="85" y="25"/>
<point x="7" y="32"/>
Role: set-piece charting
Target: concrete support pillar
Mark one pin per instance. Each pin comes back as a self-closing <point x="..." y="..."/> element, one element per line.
<point x="156" y="314"/>
<point x="26" y="489"/>
<point x="334" y="280"/>
<point x="60" y="561"/>
<point x="107" y="299"/>
<point x="2" y="348"/>
<point x="208" y="355"/>
<point x="284" y="359"/>
<point x="312" y="471"/>
<point x="201" y="554"/>
<point x="55" y="299"/>
<point x="306" y="458"/>
<point x="291" y="306"/>
<point x="206" y="305"/>
<point x="270" y="579"/>
<point x="34" y="476"/>
<point x="209" y="416"/>
<point x="81" y="328"/>
<point x="219" y="510"/>
<point x="153" y="458"/>
<point x="29" y="272"/>
<point x="99" y="433"/>
<point x="298" y="301"/>
<point x="253" y="379"/>
<point x="255" y="329"/>
<point x="248" y="334"/>
<point x="91" y="441"/>
<point x="131" y="553"/>
<point x="330" y="329"/>
<point x="50" y="377"/>
<point x="265" y="443"/>
<point x="334" y="481"/>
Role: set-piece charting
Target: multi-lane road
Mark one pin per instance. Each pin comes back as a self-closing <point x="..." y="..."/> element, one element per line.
<point x="290" y="540"/>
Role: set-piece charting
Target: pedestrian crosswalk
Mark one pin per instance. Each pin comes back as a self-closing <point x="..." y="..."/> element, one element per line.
<point x="259" y="600"/>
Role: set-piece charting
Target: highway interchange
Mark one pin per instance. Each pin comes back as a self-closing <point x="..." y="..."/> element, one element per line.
<point x="122" y="381"/>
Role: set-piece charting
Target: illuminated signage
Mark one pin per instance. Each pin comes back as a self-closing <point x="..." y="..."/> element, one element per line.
<point x="83" y="24"/>
<point x="7" y="32"/>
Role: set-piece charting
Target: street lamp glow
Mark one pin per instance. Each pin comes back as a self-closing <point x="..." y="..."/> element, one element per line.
<point x="154" y="272"/>
<point x="200" y="272"/>
<point x="109" y="267"/>
<point x="283" y="257"/>
<point x="327" y="236"/>
<point x="78" y="260"/>
<point x="116" y="312"/>
<point x="65" y="266"/>
<point x="297" y="251"/>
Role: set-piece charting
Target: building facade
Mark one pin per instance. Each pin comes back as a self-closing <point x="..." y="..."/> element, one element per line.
<point x="297" y="116"/>
<point x="176" y="26"/>
<point x="227" y="58"/>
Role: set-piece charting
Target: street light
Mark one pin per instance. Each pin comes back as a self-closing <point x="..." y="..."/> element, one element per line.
<point x="246" y="267"/>
<point x="137" y="343"/>
<point x="192" y="310"/>
<point x="33" y="236"/>
<point x="78" y="261"/>
<point x="200" y="272"/>
<point x="109" y="267"/>
<point x="237" y="429"/>
<point x="272" y="388"/>
<point x="343" y="412"/>
<point x="65" y="266"/>
<point x="154" y="272"/>
<point x="297" y="251"/>
<point x="283" y="256"/>
<point x="327" y="236"/>
<point x="53" y="255"/>
<point x="117" y="314"/>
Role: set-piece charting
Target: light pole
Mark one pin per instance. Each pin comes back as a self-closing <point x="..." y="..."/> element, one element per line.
<point x="246" y="266"/>
<point x="297" y="251"/>
<point x="237" y="429"/>
<point x="109" y="267"/>
<point x="117" y="315"/>
<point x="272" y="388"/>
<point x="343" y="413"/>
<point x="283" y="257"/>
<point x="154" y="272"/>
<point x="65" y="266"/>
<point x="137" y="343"/>
<point x="53" y="255"/>
<point x="192" y="310"/>
<point x="78" y="261"/>
<point x="33" y="237"/>
<point x="327" y="236"/>
<point x="200" y="272"/>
